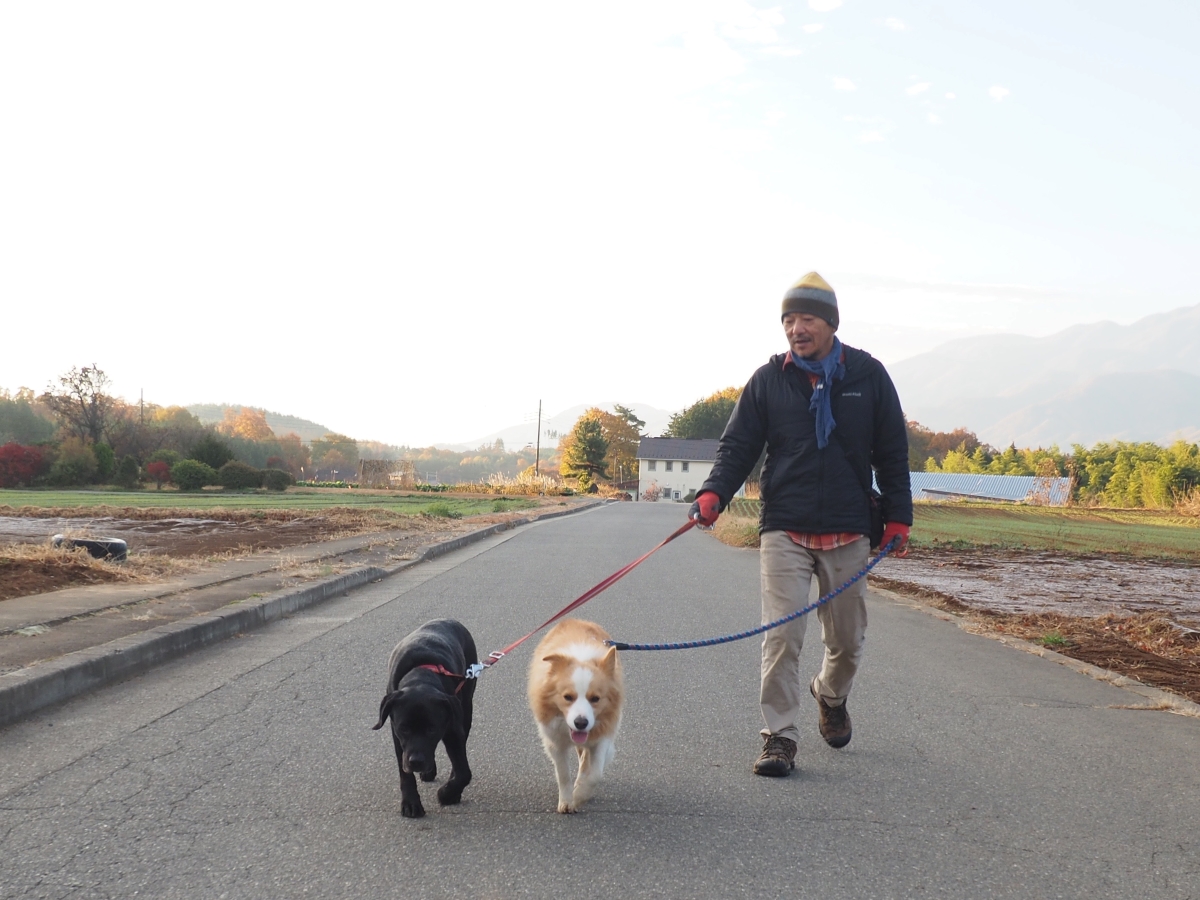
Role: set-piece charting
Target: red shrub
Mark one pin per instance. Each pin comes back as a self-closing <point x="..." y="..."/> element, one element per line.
<point x="159" y="471"/>
<point x="19" y="465"/>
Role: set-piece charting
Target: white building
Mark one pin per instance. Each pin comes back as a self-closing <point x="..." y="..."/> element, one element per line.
<point x="677" y="467"/>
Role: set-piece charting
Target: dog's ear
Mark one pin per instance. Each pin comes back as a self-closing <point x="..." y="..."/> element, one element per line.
<point x="385" y="708"/>
<point x="557" y="660"/>
<point x="609" y="661"/>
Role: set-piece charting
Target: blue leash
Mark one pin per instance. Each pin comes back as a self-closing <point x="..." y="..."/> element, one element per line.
<point x="742" y="635"/>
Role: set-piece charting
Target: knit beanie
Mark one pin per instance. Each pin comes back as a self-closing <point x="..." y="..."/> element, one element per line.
<point x="813" y="295"/>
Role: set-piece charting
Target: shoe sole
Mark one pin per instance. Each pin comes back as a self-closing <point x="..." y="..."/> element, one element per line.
<point x="774" y="774"/>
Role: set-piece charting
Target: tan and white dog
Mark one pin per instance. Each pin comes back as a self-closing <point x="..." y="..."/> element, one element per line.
<point x="575" y="692"/>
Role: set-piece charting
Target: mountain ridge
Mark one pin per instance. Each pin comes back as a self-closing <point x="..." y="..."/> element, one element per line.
<point x="1085" y="384"/>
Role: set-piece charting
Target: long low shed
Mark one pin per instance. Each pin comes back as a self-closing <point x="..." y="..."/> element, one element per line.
<point x="1002" y="488"/>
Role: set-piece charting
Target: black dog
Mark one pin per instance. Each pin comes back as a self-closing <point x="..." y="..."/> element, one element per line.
<point x="429" y="700"/>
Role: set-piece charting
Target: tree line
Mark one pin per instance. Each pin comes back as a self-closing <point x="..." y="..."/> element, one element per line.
<point x="78" y="432"/>
<point x="1111" y="473"/>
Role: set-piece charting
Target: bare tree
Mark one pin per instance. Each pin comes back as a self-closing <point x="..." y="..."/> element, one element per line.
<point x="82" y="404"/>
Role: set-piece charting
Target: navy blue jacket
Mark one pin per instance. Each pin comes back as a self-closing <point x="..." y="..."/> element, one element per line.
<point x="809" y="490"/>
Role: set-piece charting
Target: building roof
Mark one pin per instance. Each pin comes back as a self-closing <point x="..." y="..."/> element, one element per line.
<point x="677" y="448"/>
<point x="1010" y="488"/>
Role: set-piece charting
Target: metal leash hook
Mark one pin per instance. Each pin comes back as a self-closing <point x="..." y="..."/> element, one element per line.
<point x="476" y="669"/>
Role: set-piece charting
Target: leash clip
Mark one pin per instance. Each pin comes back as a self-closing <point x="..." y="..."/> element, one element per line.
<point x="474" y="670"/>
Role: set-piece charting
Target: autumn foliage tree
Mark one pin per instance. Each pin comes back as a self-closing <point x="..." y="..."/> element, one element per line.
<point x="705" y="419"/>
<point x="19" y="465"/>
<point x="584" y="450"/>
<point x="250" y="424"/>
<point x="82" y="403"/>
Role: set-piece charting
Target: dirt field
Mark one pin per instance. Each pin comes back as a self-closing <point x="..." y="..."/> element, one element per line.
<point x="1134" y="615"/>
<point x="168" y="540"/>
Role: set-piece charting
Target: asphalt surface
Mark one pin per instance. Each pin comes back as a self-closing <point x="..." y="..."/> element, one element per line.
<point x="250" y="770"/>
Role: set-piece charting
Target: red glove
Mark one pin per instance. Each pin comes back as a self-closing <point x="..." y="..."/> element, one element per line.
<point x="705" y="508"/>
<point x="896" y="529"/>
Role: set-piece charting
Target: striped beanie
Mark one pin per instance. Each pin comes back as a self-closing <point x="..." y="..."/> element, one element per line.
<point x="813" y="295"/>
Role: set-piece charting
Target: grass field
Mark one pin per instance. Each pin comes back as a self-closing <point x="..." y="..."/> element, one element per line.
<point x="294" y="499"/>
<point x="1138" y="532"/>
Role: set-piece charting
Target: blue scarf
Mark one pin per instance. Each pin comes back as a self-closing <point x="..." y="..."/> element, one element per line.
<point x="827" y="371"/>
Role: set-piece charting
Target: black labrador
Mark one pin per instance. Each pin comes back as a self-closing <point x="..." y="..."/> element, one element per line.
<point x="429" y="700"/>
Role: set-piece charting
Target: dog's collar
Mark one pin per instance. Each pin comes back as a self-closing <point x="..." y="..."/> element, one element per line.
<point x="442" y="670"/>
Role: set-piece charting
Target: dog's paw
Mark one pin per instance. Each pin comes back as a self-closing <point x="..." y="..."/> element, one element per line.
<point x="429" y="776"/>
<point x="566" y="806"/>
<point x="411" y="810"/>
<point x="448" y="796"/>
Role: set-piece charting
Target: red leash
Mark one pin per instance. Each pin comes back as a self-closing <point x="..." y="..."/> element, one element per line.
<point x="496" y="655"/>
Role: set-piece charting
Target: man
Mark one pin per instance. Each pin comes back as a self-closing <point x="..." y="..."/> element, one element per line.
<point x="827" y="414"/>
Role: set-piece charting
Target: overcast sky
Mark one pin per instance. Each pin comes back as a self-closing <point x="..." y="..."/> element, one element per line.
<point x="410" y="221"/>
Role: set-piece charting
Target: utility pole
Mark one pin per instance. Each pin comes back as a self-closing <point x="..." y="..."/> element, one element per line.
<point x="537" y="453"/>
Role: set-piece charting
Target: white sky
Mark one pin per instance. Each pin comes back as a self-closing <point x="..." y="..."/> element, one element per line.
<point x="412" y="221"/>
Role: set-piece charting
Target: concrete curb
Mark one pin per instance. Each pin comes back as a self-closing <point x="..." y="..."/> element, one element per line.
<point x="1159" y="700"/>
<point x="44" y="684"/>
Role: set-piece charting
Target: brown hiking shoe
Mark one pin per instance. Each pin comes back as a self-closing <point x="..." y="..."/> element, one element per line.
<point x="835" y="720"/>
<point x="778" y="757"/>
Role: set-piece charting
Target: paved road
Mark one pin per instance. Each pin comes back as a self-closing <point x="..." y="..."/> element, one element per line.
<point x="251" y="771"/>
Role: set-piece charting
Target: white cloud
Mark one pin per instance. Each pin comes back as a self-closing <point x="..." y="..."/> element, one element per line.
<point x="895" y="24"/>
<point x="998" y="93"/>
<point x="918" y="88"/>
<point x="865" y="120"/>
<point x="871" y="137"/>
<point x="745" y="23"/>
<point x="950" y="96"/>
<point x="933" y="119"/>
<point x="781" y="51"/>
<point x="824" y="5"/>
<point x="813" y="27"/>
<point x="843" y="84"/>
<point x="775" y="115"/>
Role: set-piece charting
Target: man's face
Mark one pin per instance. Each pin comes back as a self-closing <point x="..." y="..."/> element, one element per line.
<point x="809" y="336"/>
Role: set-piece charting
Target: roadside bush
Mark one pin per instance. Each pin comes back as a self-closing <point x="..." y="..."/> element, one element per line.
<point x="212" y="451"/>
<point x="192" y="475"/>
<point x="106" y="462"/>
<point x="238" y="476"/>
<point x="76" y="464"/>
<point x="276" y="479"/>
<point x="443" y="510"/>
<point x="170" y="457"/>
<point x="19" y="465"/>
<point x="159" y="471"/>
<point x="127" y="472"/>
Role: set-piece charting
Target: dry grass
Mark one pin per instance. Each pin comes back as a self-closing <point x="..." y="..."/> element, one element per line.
<point x="36" y="568"/>
<point x="1189" y="503"/>
<point x="736" y="531"/>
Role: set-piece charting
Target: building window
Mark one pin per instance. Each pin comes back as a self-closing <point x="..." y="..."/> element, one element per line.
<point x="683" y="466"/>
<point x="670" y="466"/>
<point x="652" y="465"/>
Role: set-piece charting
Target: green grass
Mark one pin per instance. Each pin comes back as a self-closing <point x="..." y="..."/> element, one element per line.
<point x="1138" y="532"/>
<point x="295" y="499"/>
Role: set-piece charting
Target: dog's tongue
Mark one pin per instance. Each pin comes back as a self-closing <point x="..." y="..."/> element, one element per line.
<point x="579" y="737"/>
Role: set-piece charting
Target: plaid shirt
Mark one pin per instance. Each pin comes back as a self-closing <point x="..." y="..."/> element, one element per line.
<point x="819" y="541"/>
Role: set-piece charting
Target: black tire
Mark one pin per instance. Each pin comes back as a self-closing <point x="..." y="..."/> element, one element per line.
<point x="98" y="548"/>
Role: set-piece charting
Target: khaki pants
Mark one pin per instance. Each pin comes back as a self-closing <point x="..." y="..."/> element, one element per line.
<point x="786" y="572"/>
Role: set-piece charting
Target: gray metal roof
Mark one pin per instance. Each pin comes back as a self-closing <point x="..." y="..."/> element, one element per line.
<point x="677" y="448"/>
<point x="1011" y="488"/>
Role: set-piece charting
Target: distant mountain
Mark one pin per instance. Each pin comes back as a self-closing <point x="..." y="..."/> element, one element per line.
<point x="214" y="413"/>
<point x="1088" y="383"/>
<point x="553" y="427"/>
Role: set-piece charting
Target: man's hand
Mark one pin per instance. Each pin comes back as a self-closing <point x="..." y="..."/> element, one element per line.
<point x="892" y="530"/>
<point x="705" y="508"/>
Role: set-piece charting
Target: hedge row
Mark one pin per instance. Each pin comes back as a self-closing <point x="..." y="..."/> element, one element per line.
<point x="192" y="475"/>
